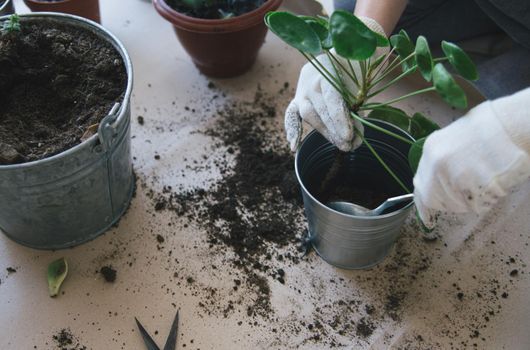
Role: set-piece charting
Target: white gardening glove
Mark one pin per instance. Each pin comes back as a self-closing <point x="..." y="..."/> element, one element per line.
<point x="470" y="164"/>
<point x="322" y="107"/>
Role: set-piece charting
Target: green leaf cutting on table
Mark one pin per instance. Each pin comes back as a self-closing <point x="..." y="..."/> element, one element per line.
<point x="57" y="271"/>
<point x="294" y="31"/>
<point x="447" y="87"/>
<point x="460" y="61"/>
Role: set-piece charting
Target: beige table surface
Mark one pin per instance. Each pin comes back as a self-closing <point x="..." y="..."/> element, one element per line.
<point x="473" y="256"/>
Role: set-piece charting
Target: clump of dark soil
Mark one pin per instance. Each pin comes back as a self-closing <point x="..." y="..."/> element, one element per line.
<point x="56" y="82"/>
<point x="65" y="340"/>
<point x="11" y="269"/>
<point x="365" y="328"/>
<point x="256" y="207"/>
<point x="108" y="273"/>
<point x="215" y="9"/>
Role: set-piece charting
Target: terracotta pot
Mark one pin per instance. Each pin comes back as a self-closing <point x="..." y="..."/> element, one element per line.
<point x="220" y="48"/>
<point x="83" y="8"/>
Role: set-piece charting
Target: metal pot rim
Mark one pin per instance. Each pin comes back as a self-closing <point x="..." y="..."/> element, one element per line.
<point x="325" y="207"/>
<point x="72" y="19"/>
<point x="4" y="5"/>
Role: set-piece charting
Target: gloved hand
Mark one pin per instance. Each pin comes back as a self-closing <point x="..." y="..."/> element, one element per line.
<point x="471" y="163"/>
<point x="322" y="107"/>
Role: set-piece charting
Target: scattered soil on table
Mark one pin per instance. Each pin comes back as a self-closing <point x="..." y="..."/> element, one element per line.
<point x="256" y="208"/>
<point x="109" y="273"/>
<point x="216" y="9"/>
<point x="365" y="328"/>
<point x="56" y="81"/>
<point x="11" y="270"/>
<point x="65" y="340"/>
<point x="340" y="309"/>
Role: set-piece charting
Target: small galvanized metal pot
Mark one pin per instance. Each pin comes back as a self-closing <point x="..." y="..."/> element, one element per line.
<point x="6" y="7"/>
<point x="74" y="196"/>
<point x="348" y="241"/>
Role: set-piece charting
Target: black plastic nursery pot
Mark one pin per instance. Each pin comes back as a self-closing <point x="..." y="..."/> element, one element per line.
<point x="73" y="196"/>
<point x="349" y="241"/>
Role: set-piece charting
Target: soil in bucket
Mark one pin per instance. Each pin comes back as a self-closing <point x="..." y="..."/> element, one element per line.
<point x="58" y="82"/>
<point x="216" y="9"/>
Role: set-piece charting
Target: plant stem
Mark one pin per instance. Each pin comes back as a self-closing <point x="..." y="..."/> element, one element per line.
<point x="390" y="68"/>
<point x="375" y="105"/>
<point x="382" y="162"/>
<point x="382" y="64"/>
<point x="324" y="72"/>
<point x="378" y="128"/>
<point x="440" y="59"/>
<point x="346" y="94"/>
<point x="351" y="74"/>
<point x="362" y="65"/>
<point x="390" y="83"/>
<point x="337" y="75"/>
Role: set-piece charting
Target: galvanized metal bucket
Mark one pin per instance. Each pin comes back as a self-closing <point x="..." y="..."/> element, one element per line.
<point x="6" y="8"/>
<point x="348" y="241"/>
<point x="72" y="197"/>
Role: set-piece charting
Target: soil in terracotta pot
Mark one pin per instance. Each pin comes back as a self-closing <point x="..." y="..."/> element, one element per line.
<point x="215" y="9"/>
<point x="56" y="81"/>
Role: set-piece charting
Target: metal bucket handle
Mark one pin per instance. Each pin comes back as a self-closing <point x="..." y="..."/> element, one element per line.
<point x="107" y="132"/>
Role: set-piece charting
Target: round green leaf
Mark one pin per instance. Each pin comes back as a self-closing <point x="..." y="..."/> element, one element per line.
<point x="391" y="115"/>
<point x="460" y="61"/>
<point x="424" y="58"/>
<point x="421" y="126"/>
<point x="351" y="38"/>
<point x="415" y="152"/>
<point x="294" y="31"/>
<point x="320" y="26"/>
<point x="382" y="41"/>
<point x="404" y="48"/>
<point x="447" y="87"/>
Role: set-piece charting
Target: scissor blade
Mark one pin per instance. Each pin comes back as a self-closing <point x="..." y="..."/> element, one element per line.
<point x="149" y="342"/>
<point x="171" y="342"/>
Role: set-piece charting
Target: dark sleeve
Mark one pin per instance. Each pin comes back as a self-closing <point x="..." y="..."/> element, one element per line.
<point x="513" y="16"/>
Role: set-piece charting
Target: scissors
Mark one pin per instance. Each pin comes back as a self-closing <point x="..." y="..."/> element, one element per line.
<point x="171" y="342"/>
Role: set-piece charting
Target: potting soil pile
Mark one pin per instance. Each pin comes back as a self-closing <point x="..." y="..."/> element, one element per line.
<point x="56" y="81"/>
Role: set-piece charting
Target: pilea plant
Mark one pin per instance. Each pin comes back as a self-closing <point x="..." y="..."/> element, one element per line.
<point x="345" y="35"/>
<point x="215" y="8"/>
